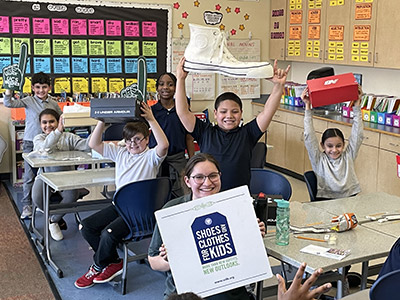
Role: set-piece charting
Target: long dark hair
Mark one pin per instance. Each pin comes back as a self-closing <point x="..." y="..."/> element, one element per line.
<point x="332" y="132"/>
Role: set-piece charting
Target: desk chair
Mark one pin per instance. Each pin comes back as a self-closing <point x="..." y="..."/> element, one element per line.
<point x="386" y="287"/>
<point x="258" y="155"/>
<point x="269" y="182"/>
<point x="311" y="182"/>
<point x="136" y="202"/>
<point x="112" y="133"/>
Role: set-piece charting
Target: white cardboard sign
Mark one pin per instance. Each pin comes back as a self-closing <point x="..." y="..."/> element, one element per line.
<point x="214" y="243"/>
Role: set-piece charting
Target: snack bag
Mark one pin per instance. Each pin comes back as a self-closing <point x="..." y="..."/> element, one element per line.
<point x="344" y="222"/>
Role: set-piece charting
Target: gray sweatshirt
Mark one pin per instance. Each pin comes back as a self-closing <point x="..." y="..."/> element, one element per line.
<point x="336" y="177"/>
<point x="60" y="141"/>
<point x="33" y="107"/>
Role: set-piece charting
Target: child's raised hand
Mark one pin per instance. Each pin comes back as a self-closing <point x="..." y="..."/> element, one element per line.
<point x="279" y="74"/>
<point x="180" y="72"/>
<point x="261" y="225"/>
<point x="360" y="93"/>
<point x="298" y="291"/>
<point x="306" y="98"/>
<point x="61" y="124"/>
<point x="163" y="252"/>
<point x="146" y="112"/>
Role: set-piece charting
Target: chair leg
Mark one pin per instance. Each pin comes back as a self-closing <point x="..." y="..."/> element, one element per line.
<point x="124" y="269"/>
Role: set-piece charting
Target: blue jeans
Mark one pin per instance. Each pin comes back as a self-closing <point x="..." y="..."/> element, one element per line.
<point x="103" y="231"/>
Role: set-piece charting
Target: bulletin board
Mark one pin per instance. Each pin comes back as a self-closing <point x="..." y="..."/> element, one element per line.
<point x="86" y="46"/>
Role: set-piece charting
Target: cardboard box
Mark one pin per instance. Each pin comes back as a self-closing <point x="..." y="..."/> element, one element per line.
<point x="366" y="115"/>
<point x="78" y="119"/>
<point x="381" y="118"/>
<point x="115" y="110"/>
<point x="332" y="89"/>
<point x="389" y="119"/>
<point x="346" y="111"/>
<point x="373" y="117"/>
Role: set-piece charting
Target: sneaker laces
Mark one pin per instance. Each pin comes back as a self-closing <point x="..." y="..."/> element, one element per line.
<point x="92" y="272"/>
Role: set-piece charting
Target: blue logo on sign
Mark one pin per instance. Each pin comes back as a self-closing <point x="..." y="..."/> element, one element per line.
<point x="213" y="238"/>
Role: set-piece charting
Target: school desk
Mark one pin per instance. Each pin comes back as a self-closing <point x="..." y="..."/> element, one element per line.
<point x="68" y="180"/>
<point x="365" y="243"/>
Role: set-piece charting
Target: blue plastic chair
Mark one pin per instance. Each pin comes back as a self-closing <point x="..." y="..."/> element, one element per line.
<point x="312" y="186"/>
<point x="386" y="287"/>
<point x="270" y="182"/>
<point x="136" y="202"/>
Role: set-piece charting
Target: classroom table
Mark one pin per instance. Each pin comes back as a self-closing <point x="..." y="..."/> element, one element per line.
<point x="365" y="243"/>
<point x="61" y="158"/>
<point x="69" y="180"/>
<point x="43" y="160"/>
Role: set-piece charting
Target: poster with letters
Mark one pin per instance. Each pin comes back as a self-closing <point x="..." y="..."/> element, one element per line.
<point x="214" y="243"/>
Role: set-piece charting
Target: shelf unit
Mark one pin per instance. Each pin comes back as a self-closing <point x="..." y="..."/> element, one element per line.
<point x="16" y="155"/>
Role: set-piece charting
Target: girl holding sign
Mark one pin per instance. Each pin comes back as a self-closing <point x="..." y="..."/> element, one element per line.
<point x="202" y="176"/>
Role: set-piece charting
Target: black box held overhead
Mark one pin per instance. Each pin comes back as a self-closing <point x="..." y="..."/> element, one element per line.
<point x="115" y="110"/>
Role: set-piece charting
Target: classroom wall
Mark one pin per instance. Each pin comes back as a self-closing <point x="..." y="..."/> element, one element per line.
<point x="186" y="12"/>
<point x="379" y="81"/>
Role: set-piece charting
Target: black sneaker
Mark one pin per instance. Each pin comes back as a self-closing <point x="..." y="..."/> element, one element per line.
<point x="63" y="225"/>
<point x="354" y="279"/>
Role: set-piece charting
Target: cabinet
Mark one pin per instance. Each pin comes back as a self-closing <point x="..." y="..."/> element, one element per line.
<point x="388" y="181"/>
<point x="351" y="32"/>
<point x="387" y="38"/>
<point x="16" y="133"/>
<point x="277" y="29"/>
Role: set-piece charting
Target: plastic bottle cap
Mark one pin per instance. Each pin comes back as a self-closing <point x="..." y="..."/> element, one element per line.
<point x="282" y="202"/>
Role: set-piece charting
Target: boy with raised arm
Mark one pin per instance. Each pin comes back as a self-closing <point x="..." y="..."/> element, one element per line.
<point x="230" y="144"/>
<point x="105" y="229"/>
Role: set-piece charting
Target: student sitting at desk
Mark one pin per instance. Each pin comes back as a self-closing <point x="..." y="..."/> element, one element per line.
<point x="40" y="100"/>
<point x="53" y="139"/>
<point x="105" y="229"/>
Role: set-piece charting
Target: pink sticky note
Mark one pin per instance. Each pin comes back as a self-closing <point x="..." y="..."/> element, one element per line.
<point x="113" y="27"/>
<point x="96" y="27"/>
<point x="60" y="26"/>
<point x="20" y="25"/>
<point x="78" y="27"/>
<point x="149" y="29"/>
<point x="4" y="24"/>
<point x="41" y="25"/>
<point x="131" y="28"/>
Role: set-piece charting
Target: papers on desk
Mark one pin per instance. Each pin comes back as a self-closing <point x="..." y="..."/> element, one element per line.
<point x="338" y="254"/>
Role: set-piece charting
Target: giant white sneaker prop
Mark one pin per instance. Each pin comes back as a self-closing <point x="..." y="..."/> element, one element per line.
<point x="207" y="53"/>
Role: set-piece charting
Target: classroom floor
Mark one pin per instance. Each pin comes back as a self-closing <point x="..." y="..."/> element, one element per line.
<point x="73" y="255"/>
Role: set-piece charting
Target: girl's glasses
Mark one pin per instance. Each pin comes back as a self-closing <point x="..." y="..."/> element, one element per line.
<point x="135" y="141"/>
<point x="200" y="178"/>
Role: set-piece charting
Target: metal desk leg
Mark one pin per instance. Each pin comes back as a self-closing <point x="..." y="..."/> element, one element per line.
<point x="259" y="290"/>
<point x="339" y="292"/>
<point x="364" y="275"/>
<point x="46" y="231"/>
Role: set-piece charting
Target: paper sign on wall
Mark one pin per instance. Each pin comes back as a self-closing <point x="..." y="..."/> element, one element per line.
<point x="216" y="240"/>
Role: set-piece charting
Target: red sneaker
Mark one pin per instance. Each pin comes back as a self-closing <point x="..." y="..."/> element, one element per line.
<point x="86" y="281"/>
<point x="109" y="272"/>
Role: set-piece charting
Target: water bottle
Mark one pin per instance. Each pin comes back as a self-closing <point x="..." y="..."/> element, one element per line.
<point x="282" y="222"/>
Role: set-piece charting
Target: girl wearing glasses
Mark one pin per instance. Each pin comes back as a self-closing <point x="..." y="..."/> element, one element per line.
<point x="202" y="177"/>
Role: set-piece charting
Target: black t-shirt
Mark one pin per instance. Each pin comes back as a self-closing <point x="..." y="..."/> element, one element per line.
<point x="231" y="149"/>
